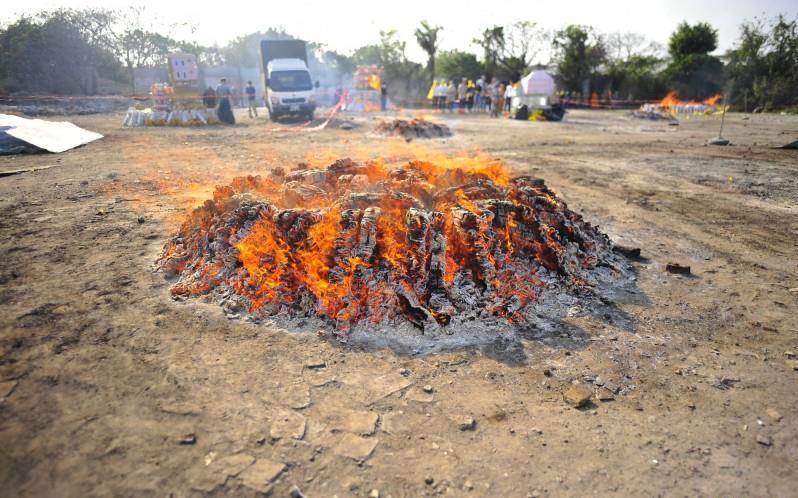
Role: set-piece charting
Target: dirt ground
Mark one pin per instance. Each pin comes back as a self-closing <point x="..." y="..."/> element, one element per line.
<point x="110" y="388"/>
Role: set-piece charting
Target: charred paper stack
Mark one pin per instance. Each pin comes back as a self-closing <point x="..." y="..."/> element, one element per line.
<point x="372" y="243"/>
<point x="413" y="128"/>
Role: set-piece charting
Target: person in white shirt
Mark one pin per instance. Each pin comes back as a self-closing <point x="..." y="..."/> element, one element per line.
<point x="509" y="93"/>
<point x="440" y="92"/>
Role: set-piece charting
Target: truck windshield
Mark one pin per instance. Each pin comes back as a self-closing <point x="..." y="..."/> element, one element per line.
<point x="290" y="81"/>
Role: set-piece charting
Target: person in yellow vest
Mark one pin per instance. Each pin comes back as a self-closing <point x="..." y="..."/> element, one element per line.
<point x="431" y="92"/>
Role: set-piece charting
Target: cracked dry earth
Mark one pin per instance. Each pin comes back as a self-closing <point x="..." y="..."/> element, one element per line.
<point x="110" y="388"/>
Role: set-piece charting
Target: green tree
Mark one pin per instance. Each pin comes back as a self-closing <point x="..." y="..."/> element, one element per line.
<point x="523" y="42"/>
<point x="62" y="52"/>
<point x="636" y="76"/>
<point x="633" y="66"/>
<point x="763" y="66"/>
<point x="427" y="38"/>
<point x="579" y="53"/>
<point x="492" y="43"/>
<point x="692" y="71"/>
<point x="456" y="64"/>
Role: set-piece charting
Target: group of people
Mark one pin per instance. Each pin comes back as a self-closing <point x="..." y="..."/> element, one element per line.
<point x="472" y="96"/>
<point x="222" y="99"/>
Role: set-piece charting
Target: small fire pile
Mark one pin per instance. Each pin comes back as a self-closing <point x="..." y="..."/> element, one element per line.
<point x="372" y="243"/>
<point x="671" y="105"/>
<point x="413" y="128"/>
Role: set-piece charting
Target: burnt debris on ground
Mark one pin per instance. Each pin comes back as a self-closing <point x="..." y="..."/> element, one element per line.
<point x="413" y="128"/>
<point x="369" y="244"/>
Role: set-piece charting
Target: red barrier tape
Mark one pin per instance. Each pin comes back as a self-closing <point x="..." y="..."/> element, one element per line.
<point x="305" y="126"/>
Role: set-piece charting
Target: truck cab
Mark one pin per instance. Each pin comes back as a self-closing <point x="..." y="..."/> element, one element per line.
<point x="289" y="87"/>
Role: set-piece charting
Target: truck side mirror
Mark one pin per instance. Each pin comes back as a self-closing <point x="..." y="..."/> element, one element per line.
<point x="316" y="84"/>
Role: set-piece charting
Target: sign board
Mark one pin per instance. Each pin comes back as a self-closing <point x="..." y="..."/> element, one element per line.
<point x="184" y="72"/>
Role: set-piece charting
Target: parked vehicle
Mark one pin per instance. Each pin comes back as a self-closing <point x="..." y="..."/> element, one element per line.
<point x="289" y="87"/>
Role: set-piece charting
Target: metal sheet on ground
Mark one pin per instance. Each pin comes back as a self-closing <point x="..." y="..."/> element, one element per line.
<point x="52" y="136"/>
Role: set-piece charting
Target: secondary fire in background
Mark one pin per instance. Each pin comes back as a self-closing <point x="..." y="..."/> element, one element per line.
<point x="420" y="242"/>
<point x="671" y="105"/>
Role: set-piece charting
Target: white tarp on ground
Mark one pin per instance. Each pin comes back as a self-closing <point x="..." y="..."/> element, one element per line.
<point x="52" y="136"/>
<point x="538" y="83"/>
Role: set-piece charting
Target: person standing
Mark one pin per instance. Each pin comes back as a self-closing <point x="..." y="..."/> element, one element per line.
<point x="225" y="110"/>
<point x="508" y="97"/>
<point x="451" y="95"/>
<point x="441" y="89"/>
<point x="495" y="96"/>
<point x="479" y="93"/>
<point x="252" y="106"/>
<point x="461" y="95"/>
<point x="383" y="97"/>
<point x="209" y="98"/>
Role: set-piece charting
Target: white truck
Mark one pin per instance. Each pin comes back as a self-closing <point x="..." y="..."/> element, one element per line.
<point x="289" y="87"/>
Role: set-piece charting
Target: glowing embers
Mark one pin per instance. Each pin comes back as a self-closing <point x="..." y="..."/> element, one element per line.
<point x="371" y="243"/>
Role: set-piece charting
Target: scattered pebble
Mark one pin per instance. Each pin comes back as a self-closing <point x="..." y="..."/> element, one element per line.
<point x="577" y="395"/>
<point x="764" y="440"/>
<point x="259" y="475"/>
<point x="295" y="492"/>
<point x="677" y="268"/>
<point x="355" y="447"/>
<point x="605" y="394"/>
<point x="774" y="414"/>
<point x="315" y="363"/>
<point x="467" y="424"/>
<point x="427" y="388"/>
<point x="187" y="439"/>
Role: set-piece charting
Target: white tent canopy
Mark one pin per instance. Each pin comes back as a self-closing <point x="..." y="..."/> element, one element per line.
<point x="538" y="83"/>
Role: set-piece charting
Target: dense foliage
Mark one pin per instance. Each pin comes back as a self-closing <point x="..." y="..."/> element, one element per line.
<point x="763" y="68"/>
<point x="579" y="54"/>
<point x="692" y="71"/>
<point x="456" y="64"/>
<point x="59" y="52"/>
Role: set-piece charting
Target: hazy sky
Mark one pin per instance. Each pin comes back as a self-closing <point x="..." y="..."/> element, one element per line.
<point x="348" y="24"/>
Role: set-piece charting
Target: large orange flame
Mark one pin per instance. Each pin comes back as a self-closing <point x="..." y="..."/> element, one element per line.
<point x="372" y="241"/>
<point x="671" y="100"/>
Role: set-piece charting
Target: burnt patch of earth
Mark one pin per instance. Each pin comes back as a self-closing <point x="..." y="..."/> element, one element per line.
<point x="417" y="256"/>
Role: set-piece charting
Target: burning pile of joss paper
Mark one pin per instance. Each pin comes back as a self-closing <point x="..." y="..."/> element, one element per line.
<point x="370" y="243"/>
<point x="413" y="128"/>
<point x="671" y="106"/>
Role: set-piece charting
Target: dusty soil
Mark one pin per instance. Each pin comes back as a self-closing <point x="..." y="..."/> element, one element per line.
<point x="110" y="388"/>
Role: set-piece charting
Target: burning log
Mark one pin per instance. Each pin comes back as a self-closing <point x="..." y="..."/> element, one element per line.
<point x="413" y="128"/>
<point x="422" y="243"/>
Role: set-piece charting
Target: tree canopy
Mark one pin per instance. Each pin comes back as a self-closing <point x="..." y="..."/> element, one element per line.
<point x="456" y="64"/>
<point x="692" y="71"/>
<point x="579" y="53"/>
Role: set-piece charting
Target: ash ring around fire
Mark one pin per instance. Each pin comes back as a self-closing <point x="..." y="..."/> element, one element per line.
<point x="418" y="257"/>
